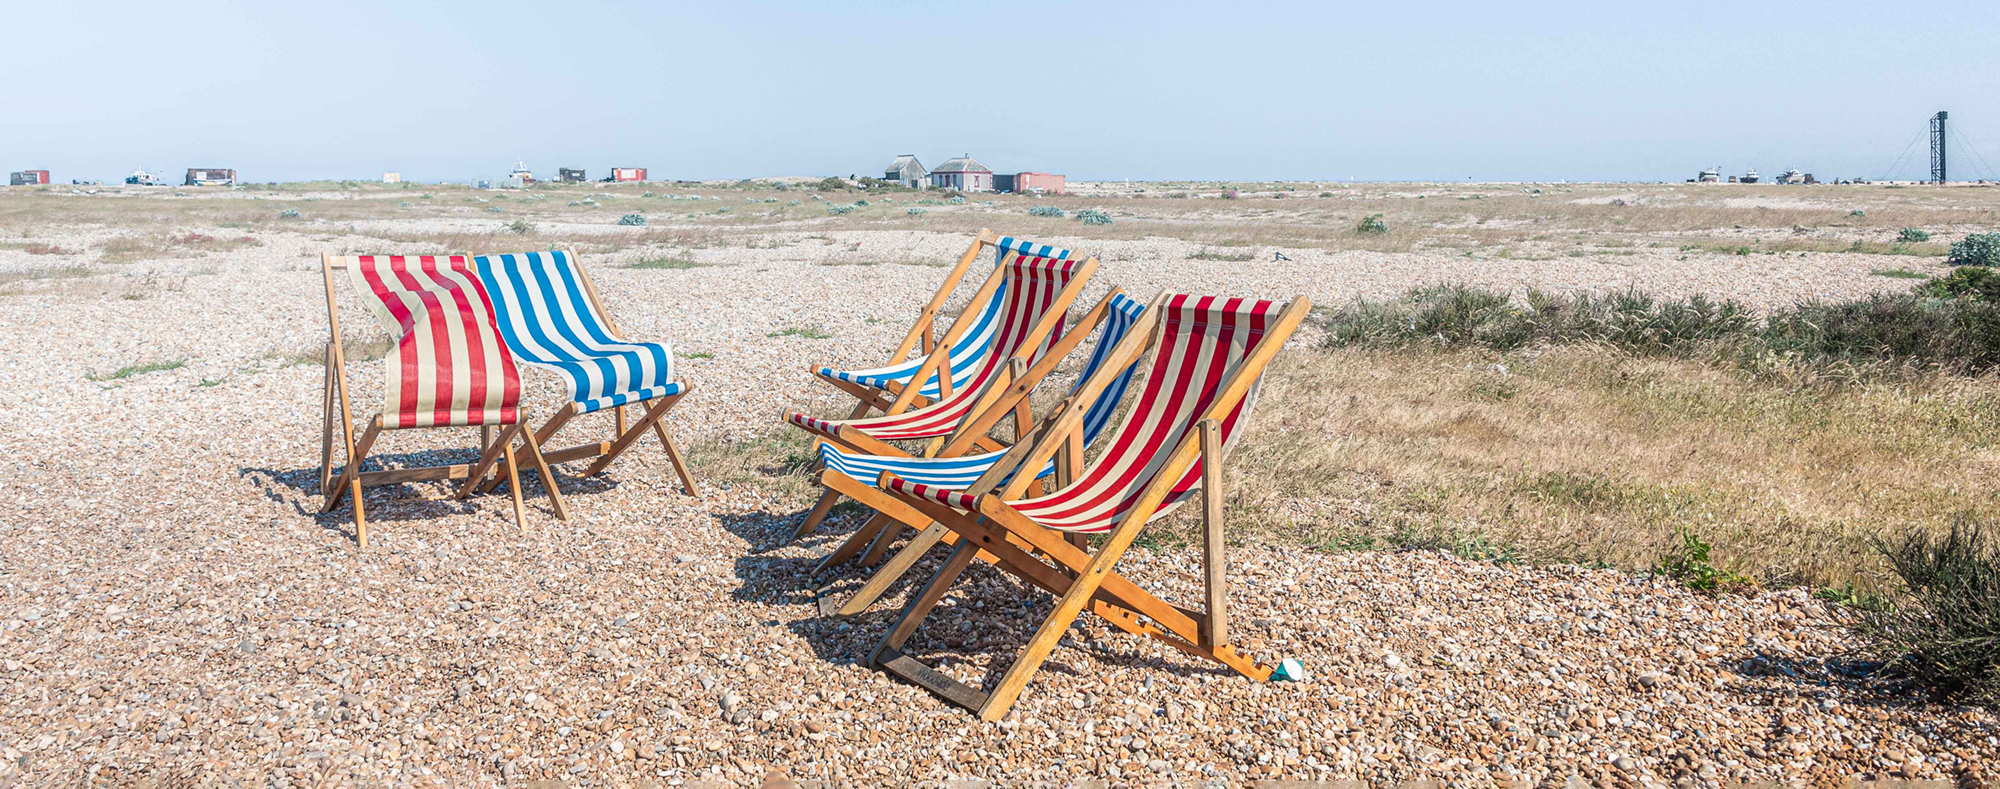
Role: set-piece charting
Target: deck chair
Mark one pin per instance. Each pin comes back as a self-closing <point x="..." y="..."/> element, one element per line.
<point x="854" y="474"/>
<point x="876" y="388"/>
<point x="551" y="318"/>
<point x="448" y="368"/>
<point x="1032" y="296"/>
<point x="1208" y="356"/>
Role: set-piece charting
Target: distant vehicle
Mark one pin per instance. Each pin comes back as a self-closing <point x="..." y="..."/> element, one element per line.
<point x="140" y="177"/>
<point x="1749" y="177"/>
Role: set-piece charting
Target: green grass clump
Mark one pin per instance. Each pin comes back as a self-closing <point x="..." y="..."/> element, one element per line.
<point x="137" y="369"/>
<point x="674" y="263"/>
<point x="1045" y="210"/>
<point x="1944" y="629"/>
<point x="1091" y="216"/>
<point x="1899" y="273"/>
<point x="801" y="333"/>
<point x="1911" y="235"/>
<point x="1233" y="257"/>
<point x="1686" y="563"/>
<point x="1917" y="329"/>
<point x="634" y="220"/>
<point x="1372" y="225"/>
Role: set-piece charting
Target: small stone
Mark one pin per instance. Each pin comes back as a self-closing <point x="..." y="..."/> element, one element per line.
<point x="1624" y="763"/>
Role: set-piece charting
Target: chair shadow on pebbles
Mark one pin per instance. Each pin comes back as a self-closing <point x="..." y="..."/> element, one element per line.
<point x="1002" y="611"/>
<point x="409" y="501"/>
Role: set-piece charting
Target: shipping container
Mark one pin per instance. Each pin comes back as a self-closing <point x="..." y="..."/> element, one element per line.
<point x="209" y="176"/>
<point x="628" y="173"/>
<point x="29" y="178"/>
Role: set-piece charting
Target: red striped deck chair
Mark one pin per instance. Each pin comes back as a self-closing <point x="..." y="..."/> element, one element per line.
<point x="448" y="368"/>
<point x="1208" y="355"/>
<point x="878" y="387"/>
<point x="855" y="475"/>
<point x="1033" y="310"/>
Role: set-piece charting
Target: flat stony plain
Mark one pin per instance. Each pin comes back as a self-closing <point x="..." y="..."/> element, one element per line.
<point x="1455" y="544"/>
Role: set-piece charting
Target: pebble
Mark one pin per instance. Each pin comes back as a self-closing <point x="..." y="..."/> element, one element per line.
<point x="199" y="622"/>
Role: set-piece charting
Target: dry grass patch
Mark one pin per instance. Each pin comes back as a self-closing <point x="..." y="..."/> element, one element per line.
<point x="1584" y="454"/>
<point x="16" y="282"/>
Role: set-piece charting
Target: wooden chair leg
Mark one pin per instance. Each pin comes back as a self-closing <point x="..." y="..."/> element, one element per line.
<point x="854" y="542"/>
<point x="326" y="432"/>
<point x="1215" y="630"/>
<point x="360" y="516"/>
<point x="556" y="421"/>
<point x="475" y="477"/>
<point x="920" y="604"/>
<point x="1073" y="600"/>
<point x="514" y="485"/>
<point x="819" y="511"/>
<point x="674" y="455"/>
<point x="548" y="478"/>
<point x="878" y="583"/>
<point x="626" y="439"/>
<point x="350" y="475"/>
<point x="880" y="547"/>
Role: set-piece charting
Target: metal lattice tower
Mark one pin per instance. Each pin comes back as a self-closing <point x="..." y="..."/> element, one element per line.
<point x="1937" y="148"/>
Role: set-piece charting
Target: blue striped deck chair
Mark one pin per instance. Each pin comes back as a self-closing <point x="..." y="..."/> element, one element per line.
<point x="969" y="336"/>
<point x="854" y="474"/>
<point x="552" y="320"/>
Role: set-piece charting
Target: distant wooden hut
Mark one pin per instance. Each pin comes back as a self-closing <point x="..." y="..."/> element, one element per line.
<point x="964" y="173"/>
<point x="907" y="171"/>
<point x="569" y="176"/>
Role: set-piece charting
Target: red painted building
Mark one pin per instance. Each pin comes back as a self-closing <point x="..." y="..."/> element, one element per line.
<point x="628" y="173"/>
<point x="1039" y="183"/>
<point x="29" y="178"/>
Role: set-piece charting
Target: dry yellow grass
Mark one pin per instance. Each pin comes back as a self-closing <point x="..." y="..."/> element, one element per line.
<point x="1587" y="455"/>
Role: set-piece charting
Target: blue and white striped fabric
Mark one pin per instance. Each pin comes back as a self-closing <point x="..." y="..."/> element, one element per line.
<point x="548" y="321"/>
<point x="971" y="346"/>
<point x="959" y="472"/>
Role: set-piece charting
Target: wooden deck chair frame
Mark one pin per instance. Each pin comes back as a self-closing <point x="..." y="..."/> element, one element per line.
<point x="352" y="480"/>
<point x="921" y="337"/>
<point x="1015" y="374"/>
<point x="1007" y="397"/>
<point x="1015" y="543"/>
<point x="623" y="436"/>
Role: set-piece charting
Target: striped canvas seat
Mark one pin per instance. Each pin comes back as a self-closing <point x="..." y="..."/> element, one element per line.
<point x="1203" y="337"/>
<point x="958" y="472"/>
<point x="547" y="316"/>
<point x="1026" y="295"/>
<point x="450" y="367"/>
<point x="969" y="351"/>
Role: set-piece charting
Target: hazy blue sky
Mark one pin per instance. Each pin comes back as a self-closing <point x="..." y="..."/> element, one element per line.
<point x="1098" y="90"/>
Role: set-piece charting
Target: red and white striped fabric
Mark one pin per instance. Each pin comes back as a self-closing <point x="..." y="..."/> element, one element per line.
<point x="945" y="496"/>
<point x="1032" y="286"/>
<point x="449" y="367"/>
<point x="1204" y="339"/>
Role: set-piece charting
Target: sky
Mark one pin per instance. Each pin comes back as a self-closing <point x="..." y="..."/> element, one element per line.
<point x="1240" y="90"/>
